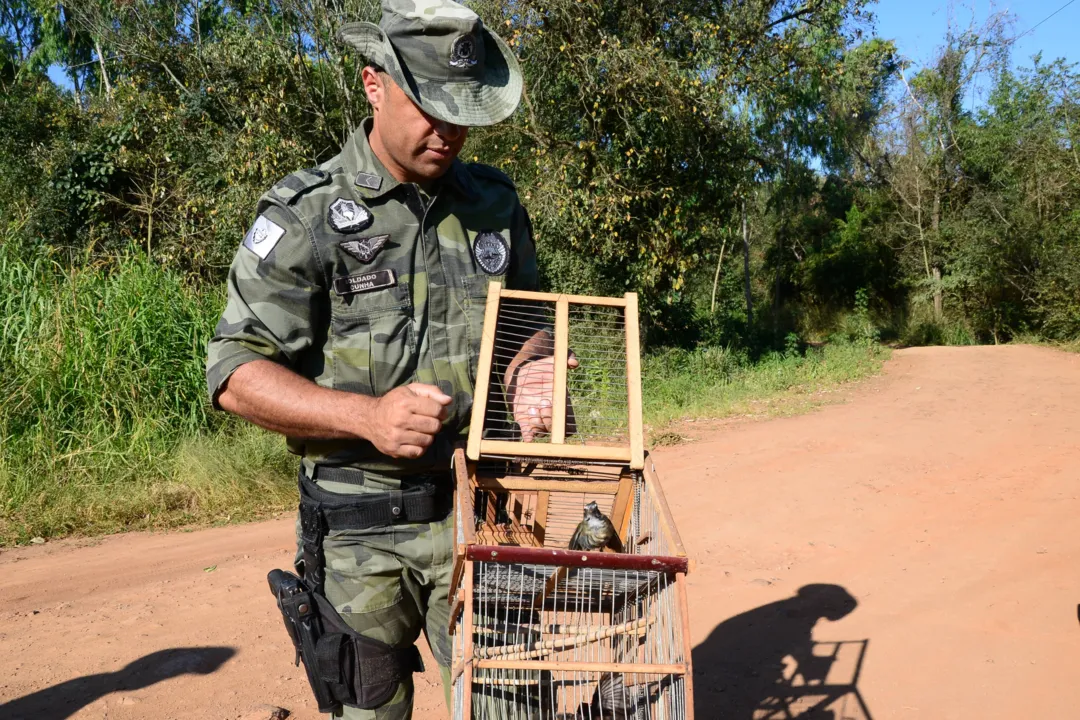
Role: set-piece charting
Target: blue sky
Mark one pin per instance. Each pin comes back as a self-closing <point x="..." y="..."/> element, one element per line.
<point x="918" y="26"/>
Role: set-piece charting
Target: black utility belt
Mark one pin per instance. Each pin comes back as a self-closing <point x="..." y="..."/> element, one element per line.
<point x="419" y="501"/>
<point x="322" y="512"/>
<point x="343" y="667"/>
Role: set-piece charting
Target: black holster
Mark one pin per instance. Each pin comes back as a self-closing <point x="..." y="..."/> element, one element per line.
<point x="343" y="667"/>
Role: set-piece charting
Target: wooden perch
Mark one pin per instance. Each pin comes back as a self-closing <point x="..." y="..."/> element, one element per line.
<point x="548" y="629"/>
<point x="506" y="682"/>
<point x="527" y="651"/>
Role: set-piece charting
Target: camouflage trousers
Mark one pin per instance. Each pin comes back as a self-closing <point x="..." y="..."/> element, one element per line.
<point x="391" y="583"/>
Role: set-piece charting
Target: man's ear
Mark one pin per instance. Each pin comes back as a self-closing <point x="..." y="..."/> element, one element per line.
<point x="374" y="87"/>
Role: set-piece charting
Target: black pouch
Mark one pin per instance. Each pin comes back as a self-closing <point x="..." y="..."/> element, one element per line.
<point x="369" y="670"/>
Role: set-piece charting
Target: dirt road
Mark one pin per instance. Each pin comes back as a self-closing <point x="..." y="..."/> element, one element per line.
<point x="932" y="517"/>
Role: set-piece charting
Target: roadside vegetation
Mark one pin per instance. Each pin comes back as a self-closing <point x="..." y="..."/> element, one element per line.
<point x="783" y="189"/>
<point x="106" y="426"/>
<point x="715" y="383"/>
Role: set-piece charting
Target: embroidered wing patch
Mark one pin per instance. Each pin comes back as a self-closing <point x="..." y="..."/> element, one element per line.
<point x="365" y="249"/>
<point x="263" y="236"/>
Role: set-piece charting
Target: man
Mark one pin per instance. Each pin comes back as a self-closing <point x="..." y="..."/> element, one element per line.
<point x="353" y="324"/>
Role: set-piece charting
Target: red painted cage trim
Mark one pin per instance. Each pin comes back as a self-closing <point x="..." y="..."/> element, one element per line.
<point x="509" y="554"/>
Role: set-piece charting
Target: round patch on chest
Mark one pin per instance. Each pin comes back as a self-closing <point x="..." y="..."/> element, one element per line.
<point x="492" y="252"/>
<point x="348" y="216"/>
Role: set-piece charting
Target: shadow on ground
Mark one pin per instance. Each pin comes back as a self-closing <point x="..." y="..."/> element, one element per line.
<point x="764" y="663"/>
<point x="64" y="700"/>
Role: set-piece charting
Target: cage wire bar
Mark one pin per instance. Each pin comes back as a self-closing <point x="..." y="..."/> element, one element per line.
<point x="542" y="632"/>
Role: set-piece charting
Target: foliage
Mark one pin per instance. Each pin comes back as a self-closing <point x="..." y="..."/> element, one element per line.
<point x="102" y="378"/>
<point x="766" y="174"/>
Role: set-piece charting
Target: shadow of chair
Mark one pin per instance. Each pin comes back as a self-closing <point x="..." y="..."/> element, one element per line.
<point x="765" y="665"/>
<point x="57" y="702"/>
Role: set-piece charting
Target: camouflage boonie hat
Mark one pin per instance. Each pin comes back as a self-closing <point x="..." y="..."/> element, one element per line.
<point x="442" y="56"/>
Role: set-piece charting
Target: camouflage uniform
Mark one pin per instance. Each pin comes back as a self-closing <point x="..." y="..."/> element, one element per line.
<point x="363" y="284"/>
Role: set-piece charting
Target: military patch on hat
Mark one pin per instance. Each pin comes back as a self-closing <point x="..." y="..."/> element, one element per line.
<point x="263" y="236"/>
<point x="364" y="249"/>
<point x="492" y="252"/>
<point x="348" y="216"/>
<point x="463" y="52"/>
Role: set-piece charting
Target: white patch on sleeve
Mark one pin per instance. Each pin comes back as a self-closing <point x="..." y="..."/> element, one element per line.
<point x="263" y="236"/>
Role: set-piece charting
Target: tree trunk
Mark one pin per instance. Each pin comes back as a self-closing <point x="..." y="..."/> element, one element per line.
<point x="716" y="277"/>
<point x="104" y="72"/>
<point x="935" y="225"/>
<point x="746" y="267"/>
<point x="938" y="304"/>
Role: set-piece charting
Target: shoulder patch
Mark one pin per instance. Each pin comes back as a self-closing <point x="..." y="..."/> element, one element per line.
<point x="263" y="236"/>
<point x="486" y="171"/>
<point x="289" y="190"/>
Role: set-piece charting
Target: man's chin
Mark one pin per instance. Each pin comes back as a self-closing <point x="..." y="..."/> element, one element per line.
<point x="432" y="169"/>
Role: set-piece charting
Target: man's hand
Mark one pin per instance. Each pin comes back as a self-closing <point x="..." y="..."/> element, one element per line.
<point x="533" y="386"/>
<point x="407" y="419"/>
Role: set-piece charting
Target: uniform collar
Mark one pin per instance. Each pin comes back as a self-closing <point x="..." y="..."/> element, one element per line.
<point x="372" y="180"/>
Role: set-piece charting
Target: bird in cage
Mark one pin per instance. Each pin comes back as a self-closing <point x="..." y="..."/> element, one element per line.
<point x="595" y="532"/>
<point x="502" y="509"/>
<point x="612" y="700"/>
<point x="479" y="509"/>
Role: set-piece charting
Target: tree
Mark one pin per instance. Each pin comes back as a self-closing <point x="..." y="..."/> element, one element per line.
<point x="928" y="177"/>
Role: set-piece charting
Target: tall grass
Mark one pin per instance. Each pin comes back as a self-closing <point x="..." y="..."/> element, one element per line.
<point x="716" y="382"/>
<point x="102" y="395"/>
<point x="105" y="426"/>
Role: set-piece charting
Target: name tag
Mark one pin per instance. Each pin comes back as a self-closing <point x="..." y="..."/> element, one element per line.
<point x="365" y="282"/>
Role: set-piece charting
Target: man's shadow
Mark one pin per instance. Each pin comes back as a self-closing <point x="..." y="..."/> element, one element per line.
<point x="64" y="700"/>
<point x="764" y="663"/>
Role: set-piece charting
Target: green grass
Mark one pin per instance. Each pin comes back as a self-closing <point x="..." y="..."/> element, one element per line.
<point x="1065" y="345"/>
<point x="716" y="383"/>
<point x="105" y="425"/>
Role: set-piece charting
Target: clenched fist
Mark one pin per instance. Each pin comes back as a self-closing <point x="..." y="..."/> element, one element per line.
<point x="407" y="419"/>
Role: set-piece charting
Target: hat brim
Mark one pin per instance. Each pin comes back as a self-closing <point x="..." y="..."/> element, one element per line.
<point x="472" y="102"/>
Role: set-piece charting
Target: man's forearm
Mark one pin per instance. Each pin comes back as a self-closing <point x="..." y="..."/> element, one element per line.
<point x="276" y="398"/>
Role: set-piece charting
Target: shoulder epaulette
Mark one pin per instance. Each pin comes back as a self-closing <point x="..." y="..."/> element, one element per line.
<point x="486" y="171"/>
<point x="289" y="190"/>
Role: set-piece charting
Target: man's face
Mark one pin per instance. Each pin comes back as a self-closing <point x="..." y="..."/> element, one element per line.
<point x="414" y="146"/>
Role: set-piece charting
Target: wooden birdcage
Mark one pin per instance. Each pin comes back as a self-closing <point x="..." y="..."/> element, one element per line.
<point x="542" y="632"/>
<point x="596" y="409"/>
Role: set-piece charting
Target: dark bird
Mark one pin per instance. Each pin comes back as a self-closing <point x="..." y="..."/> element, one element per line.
<point x="595" y="532"/>
<point x="612" y="700"/>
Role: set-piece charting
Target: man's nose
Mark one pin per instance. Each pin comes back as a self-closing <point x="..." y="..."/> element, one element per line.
<point x="448" y="131"/>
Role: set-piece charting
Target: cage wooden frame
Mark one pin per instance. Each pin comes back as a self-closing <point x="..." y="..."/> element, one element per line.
<point x="632" y="453"/>
<point x="477" y="548"/>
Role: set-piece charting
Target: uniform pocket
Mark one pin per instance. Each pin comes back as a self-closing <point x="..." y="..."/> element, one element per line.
<point x="363" y="573"/>
<point x="374" y="349"/>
